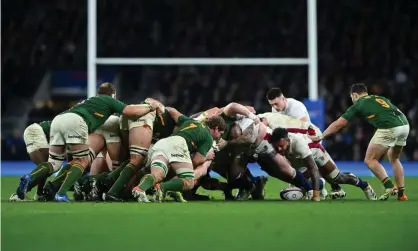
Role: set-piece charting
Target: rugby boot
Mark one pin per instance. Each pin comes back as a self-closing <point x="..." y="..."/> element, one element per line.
<point x="140" y="195"/>
<point x="370" y="193"/>
<point x="388" y="192"/>
<point x="338" y="194"/>
<point x="62" y="198"/>
<point x="259" y="191"/>
<point x="22" y="189"/>
<point x="111" y="198"/>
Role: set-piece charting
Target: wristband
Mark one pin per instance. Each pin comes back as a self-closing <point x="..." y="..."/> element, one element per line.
<point x="252" y="116"/>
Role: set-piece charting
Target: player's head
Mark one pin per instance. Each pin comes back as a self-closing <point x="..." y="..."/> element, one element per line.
<point x="107" y="89"/>
<point x="276" y="99"/>
<point x="279" y="139"/>
<point x="357" y="91"/>
<point x="216" y="125"/>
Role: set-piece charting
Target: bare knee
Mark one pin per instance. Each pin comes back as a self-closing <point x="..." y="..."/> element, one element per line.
<point x="136" y="159"/>
<point x="188" y="184"/>
<point x="82" y="161"/>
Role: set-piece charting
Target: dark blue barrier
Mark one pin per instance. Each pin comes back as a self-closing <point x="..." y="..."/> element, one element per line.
<point x="18" y="168"/>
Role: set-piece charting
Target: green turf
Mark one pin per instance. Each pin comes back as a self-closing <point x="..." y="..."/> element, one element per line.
<point x="349" y="224"/>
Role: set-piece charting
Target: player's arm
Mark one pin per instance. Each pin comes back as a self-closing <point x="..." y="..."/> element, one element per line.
<point x="340" y="122"/>
<point x="234" y="109"/>
<point x="177" y="116"/>
<point x="301" y="148"/>
<point x="131" y="110"/>
<point x="203" y="152"/>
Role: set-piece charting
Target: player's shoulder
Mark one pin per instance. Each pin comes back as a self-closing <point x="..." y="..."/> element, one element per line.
<point x="294" y="103"/>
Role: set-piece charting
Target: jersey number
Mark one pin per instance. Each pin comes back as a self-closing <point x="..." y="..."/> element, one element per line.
<point x="382" y="102"/>
<point x="189" y="127"/>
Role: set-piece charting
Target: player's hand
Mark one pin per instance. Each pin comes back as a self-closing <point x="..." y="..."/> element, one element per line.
<point x="210" y="155"/>
<point x="257" y="120"/>
<point x="221" y="144"/>
<point x="154" y="105"/>
<point x="315" y="138"/>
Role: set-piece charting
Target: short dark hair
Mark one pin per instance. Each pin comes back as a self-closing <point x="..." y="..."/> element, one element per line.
<point x="216" y="122"/>
<point x="278" y="134"/>
<point x="358" y="88"/>
<point x="106" y="89"/>
<point x="274" y="93"/>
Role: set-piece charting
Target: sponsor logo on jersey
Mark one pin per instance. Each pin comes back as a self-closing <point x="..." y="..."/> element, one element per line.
<point x="114" y="135"/>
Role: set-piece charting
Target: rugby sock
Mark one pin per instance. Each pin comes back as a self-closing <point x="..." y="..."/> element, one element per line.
<point x="123" y="179"/>
<point x="75" y="172"/>
<point x="335" y="186"/>
<point x="300" y="181"/>
<point x="387" y="183"/>
<point x="401" y="191"/>
<point x="116" y="173"/>
<point x="321" y="184"/>
<point x="175" y="185"/>
<point x="41" y="172"/>
<point x="57" y="181"/>
<point x="362" y="184"/>
<point x="147" y="182"/>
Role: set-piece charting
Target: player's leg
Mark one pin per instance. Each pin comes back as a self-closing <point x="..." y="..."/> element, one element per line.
<point x="394" y="155"/>
<point x="99" y="164"/>
<point x="330" y="171"/>
<point x="39" y="156"/>
<point x="379" y="145"/>
<point x="140" y="137"/>
<point x="75" y="131"/>
<point x="159" y="169"/>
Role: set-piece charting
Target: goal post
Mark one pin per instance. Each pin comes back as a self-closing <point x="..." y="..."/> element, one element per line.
<point x="311" y="61"/>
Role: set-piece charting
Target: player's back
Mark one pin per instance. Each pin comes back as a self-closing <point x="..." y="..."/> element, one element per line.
<point x="96" y="110"/>
<point x="380" y="112"/>
<point x="163" y="126"/>
<point x="195" y="133"/>
<point x="294" y="108"/>
<point x="276" y="120"/>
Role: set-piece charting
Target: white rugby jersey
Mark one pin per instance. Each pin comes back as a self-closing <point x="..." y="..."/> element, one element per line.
<point x="294" y="108"/>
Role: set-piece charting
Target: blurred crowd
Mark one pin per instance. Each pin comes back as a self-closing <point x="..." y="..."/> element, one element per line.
<point x="375" y="42"/>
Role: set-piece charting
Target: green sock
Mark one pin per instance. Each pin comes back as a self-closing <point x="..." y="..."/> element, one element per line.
<point x="124" y="178"/>
<point x="75" y="172"/>
<point x="387" y="183"/>
<point x="62" y="174"/>
<point x="114" y="175"/>
<point x="41" y="172"/>
<point x="147" y="182"/>
<point x="175" y="185"/>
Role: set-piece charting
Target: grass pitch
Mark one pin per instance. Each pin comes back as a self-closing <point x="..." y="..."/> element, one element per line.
<point x="350" y="224"/>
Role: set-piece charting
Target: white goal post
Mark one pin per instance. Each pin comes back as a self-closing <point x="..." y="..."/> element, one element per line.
<point x="311" y="61"/>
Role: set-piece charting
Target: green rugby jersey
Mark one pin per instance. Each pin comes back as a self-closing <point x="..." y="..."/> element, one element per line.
<point x="46" y="127"/>
<point x="96" y="110"/>
<point x="196" y="134"/>
<point x="378" y="111"/>
<point x="163" y="126"/>
<point x="229" y="122"/>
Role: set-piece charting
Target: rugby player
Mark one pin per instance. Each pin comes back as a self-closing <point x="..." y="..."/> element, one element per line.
<point x="390" y="137"/>
<point x="71" y="128"/>
<point x="36" y="138"/>
<point x="147" y="129"/>
<point x="296" y="109"/>
<point x="302" y="152"/>
<point x="256" y="134"/>
<point x="174" y="153"/>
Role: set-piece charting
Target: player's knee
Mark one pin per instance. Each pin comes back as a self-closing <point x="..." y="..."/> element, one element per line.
<point x="188" y="184"/>
<point x="159" y="169"/>
<point x="56" y="160"/>
<point x="138" y="154"/>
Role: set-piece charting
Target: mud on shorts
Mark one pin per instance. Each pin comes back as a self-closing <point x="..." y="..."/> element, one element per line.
<point x="35" y="138"/>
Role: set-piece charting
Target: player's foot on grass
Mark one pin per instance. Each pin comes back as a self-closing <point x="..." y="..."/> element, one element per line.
<point x="177" y="196"/>
<point x="62" y="198"/>
<point x="49" y="191"/>
<point x="338" y="194"/>
<point x="243" y="194"/>
<point x="15" y="198"/>
<point x="388" y="192"/>
<point x="370" y="193"/>
<point x="323" y="193"/>
<point x="159" y="195"/>
<point x="228" y="195"/>
<point x="111" y="198"/>
<point x="259" y="191"/>
<point x="78" y="193"/>
<point x="197" y="197"/>
<point x="403" y="197"/>
<point x="140" y="195"/>
<point x="22" y="190"/>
